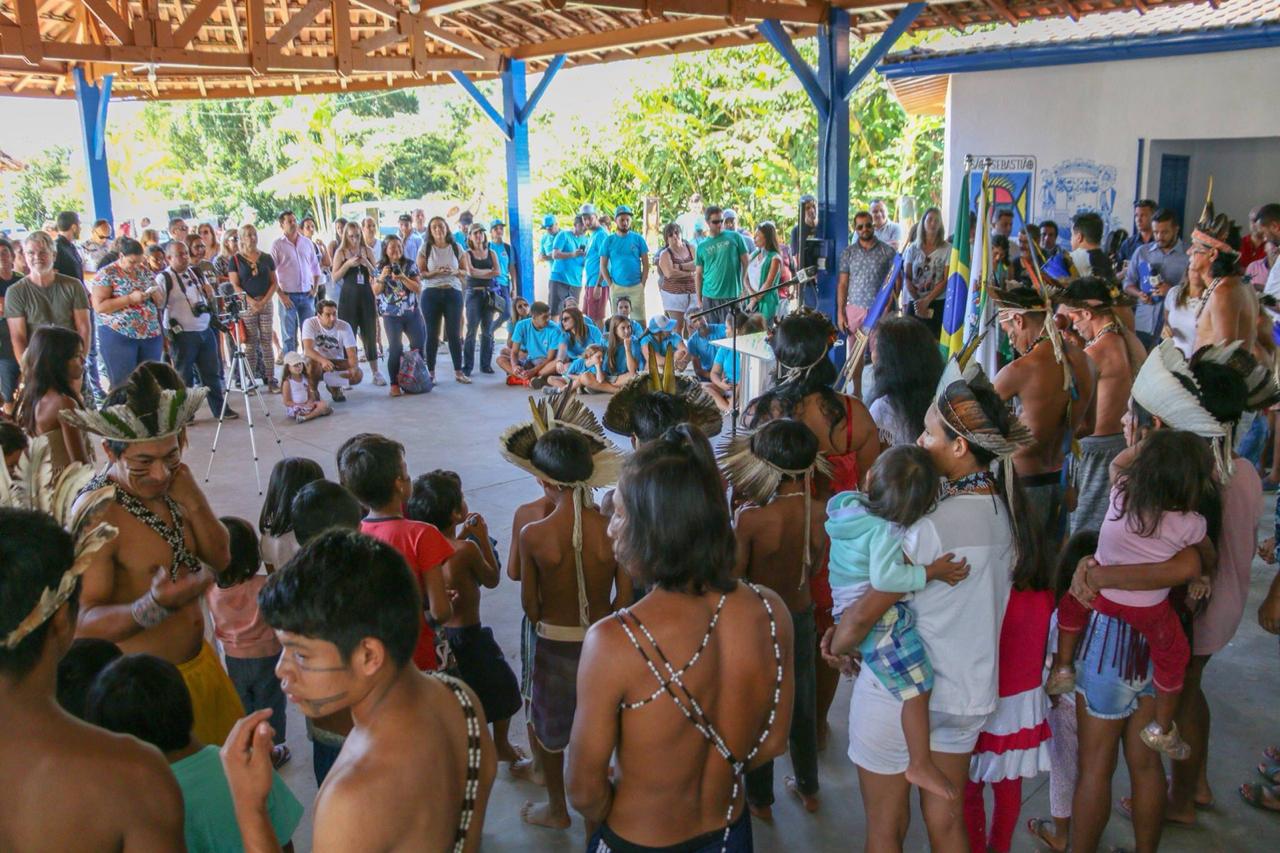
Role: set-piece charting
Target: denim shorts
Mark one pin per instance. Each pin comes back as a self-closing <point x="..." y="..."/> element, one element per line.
<point x="1106" y="647"/>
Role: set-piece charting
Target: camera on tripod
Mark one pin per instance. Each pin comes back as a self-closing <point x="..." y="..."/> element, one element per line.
<point x="226" y="310"/>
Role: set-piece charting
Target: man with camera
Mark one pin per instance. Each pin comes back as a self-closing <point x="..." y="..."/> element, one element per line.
<point x="188" y="320"/>
<point x="330" y="348"/>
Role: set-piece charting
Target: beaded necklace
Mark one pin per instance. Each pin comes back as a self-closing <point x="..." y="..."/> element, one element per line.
<point x="173" y="536"/>
<point x="472" y="786"/>
<point x="970" y="484"/>
<point x="1108" y="329"/>
<point x="689" y="706"/>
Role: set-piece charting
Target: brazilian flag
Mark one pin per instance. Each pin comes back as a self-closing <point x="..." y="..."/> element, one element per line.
<point x="957" y="295"/>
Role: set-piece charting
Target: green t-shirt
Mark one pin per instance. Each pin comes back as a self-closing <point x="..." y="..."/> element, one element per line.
<point x="54" y="305"/>
<point x="210" y="822"/>
<point x="720" y="259"/>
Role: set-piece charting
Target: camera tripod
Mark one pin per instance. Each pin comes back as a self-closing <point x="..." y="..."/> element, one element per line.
<point x="241" y="381"/>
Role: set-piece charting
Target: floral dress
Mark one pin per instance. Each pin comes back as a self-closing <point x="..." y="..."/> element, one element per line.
<point x="140" y="322"/>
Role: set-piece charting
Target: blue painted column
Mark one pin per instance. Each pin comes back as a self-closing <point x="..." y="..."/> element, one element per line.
<point x="92" y="99"/>
<point x="833" y="152"/>
<point x="519" y="188"/>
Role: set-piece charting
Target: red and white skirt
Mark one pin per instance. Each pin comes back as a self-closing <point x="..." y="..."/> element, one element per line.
<point x="1014" y="742"/>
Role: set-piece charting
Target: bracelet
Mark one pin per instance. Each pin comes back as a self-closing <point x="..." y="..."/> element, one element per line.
<point x="148" y="612"/>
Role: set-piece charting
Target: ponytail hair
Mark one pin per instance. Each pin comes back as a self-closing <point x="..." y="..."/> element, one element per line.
<point x="677" y="533"/>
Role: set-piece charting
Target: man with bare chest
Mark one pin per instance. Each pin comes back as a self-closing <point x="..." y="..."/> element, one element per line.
<point x="67" y="785"/>
<point x="1053" y="382"/>
<point x="1089" y="304"/>
<point x="142" y="590"/>
<point x="569" y="579"/>
<point x="1229" y="310"/>
<point x="780" y="539"/>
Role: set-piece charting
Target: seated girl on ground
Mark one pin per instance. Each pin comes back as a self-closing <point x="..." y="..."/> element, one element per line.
<point x="301" y="401"/>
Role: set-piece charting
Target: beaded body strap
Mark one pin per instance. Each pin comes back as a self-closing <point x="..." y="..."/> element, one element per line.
<point x="172" y="535"/>
<point x="472" y="787"/>
<point x="689" y="706"/>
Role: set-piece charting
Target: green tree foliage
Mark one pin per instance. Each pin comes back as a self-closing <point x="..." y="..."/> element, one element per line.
<point x="737" y="127"/>
<point x="44" y="188"/>
<point x="441" y="157"/>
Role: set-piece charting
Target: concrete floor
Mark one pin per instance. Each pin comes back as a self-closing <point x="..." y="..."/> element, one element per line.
<point x="457" y="427"/>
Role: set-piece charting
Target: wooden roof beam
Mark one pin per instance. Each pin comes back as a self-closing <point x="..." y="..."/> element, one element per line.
<point x="29" y="31"/>
<point x="755" y="10"/>
<point x="292" y="27"/>
<point x="632" y="37"/>
<point x="111" y="20"/>
<point x="381" y="7"/>
<point x="259" y="45"/>
<point x="461" y="43"/>
<point x="341" y="25"/>
<point x="198" y="17"/>
<point x="448" y="7"/>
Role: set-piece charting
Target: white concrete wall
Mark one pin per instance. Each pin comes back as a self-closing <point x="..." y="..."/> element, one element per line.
<point x="1082" y="124"/>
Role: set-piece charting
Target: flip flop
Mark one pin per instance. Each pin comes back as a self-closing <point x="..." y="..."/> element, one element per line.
<point x="280" y="756"/>
<point x="1270" y="772"/>
<point x="1036" y="826"/>
<point x="1124" y="808"/>
<point x="1272" y="753"/>
<point x="1252" y="794"/>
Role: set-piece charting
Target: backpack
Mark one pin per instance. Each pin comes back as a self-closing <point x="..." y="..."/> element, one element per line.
<point x="413" y="377"/>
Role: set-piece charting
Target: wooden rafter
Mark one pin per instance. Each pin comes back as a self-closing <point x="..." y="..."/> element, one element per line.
<point x="755" y="10"/>
<point x="197" y="18"/>
<point x="299" y="21"/>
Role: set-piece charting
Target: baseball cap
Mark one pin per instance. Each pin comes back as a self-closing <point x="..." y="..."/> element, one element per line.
<point x="699" y="227"/>
<point x="622" y="208"/>
<point x="404" y="217"/>
<point x="587" y="209"/>
<point x="728" y="213"/>
<point x="495" y="223"/>
<point x="292" y="358"/>
<point x="548" y="220"/>
<point x="662" y="323"/>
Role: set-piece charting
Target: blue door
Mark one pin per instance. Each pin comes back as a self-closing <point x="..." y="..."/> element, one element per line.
<point x="1174" y="169"/>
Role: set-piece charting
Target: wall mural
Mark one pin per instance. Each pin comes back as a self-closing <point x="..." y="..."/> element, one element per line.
<point x="1012" y="182"/>
<point x="1075" y="186"/>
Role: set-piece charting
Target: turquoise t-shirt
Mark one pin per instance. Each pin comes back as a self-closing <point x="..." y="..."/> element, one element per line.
<point x="574" y="346"/>
<point x="702" y="349"/>
<point x="668" y="344"/>
<point x="595" y="242"/>
<point x="210" y="815"/>
<point x="503" y="251"/>
<point x="616" y="360"/>
<point x="724" y="358"/>
<point x="720" y="259"/>
<point x="567" y="270"/>
<point x="624" y="252"/>
<point x="545" y="241"/>
<point x="460" y="238"/>
<point x="577" y="367"/>
<point x="536" y="343"/>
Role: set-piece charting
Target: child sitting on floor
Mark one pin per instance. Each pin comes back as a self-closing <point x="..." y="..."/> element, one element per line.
<point x="867" y="555"/>
<point x="249" y="646"/>
<point x="437" y="499"/>
<point x="1153" y="516"/>
<point x="586" y="373"/>
<point x="301" y="401"/>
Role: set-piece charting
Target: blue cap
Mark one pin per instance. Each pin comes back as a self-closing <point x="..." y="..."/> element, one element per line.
<point x="548" y="220"/>
<point x="587" y="209"/>
<point x="662" y="323"/>
<point x="622" y="208"/>
<point x="495" y="223"/>
<point x="699" y="227"/>
<point x="728" y="213"/>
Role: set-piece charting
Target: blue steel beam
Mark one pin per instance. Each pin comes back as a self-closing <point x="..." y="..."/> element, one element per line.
<point x="92" y="101"/>
<point x="547" y="76"/>
<point x="1098" y="50"/>
<point x="905" y="18"/>
<point x="519" y="187"/>
<point x="833" y="155"/>
<point x="504" y="127"/>
<point x="774" y="34"/>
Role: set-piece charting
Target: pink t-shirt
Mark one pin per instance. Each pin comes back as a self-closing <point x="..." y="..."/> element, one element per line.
<point x="1119" y="544"/>
<point x="237" y="622"/>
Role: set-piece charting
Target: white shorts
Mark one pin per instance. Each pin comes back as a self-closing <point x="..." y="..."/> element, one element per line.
<point x="681" y="302"/>
<point x="876" y="742"/>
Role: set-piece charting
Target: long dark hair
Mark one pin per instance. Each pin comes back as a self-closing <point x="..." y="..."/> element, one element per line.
<point x="1171" y="472"/>
<point x="579" y="331"/>
<point x="1029" y="559"/>
<point x="770" y="232"/>
<point x="908" y="366"/>
<point x="287" y="478"/>
<point x="800" y="341"/>
<point x="615" y="345"/>
<point x="45" y="367"/>
<point x="677" y="532"/>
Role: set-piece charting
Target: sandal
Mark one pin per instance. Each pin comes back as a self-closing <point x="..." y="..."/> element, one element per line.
<point x="280" y="756"/>
<point x="1124" y="808"/>
<point x="1256" y="796"/>
<point x="1270" y="772"/>
<point x="1037" y="827"/>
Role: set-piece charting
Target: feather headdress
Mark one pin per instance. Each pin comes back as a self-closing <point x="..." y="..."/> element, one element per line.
<point x="705" y="416"/>
<point x="1166" y="387"/>
<point x="1213" y="230"/>
<point x="149" y="412"/>
<point x="37" y="488"/>
<point x="961" y="411"/>
<point x="564" y="410"/>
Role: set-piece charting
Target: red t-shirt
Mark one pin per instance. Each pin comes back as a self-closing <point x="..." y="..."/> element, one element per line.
<point x="425" y="549"/>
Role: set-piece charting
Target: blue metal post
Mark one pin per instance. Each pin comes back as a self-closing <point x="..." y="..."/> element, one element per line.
<point x="833" y="152"/>
<point x="519" y="189"/>
<point x="92" y="99"/>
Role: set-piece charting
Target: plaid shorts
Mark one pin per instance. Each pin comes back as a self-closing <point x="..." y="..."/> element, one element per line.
<point x="895" y="654"/>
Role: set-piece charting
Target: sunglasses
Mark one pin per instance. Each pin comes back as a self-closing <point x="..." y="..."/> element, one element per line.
<point x="716" y="221"/>
<point x="864" y="227"/>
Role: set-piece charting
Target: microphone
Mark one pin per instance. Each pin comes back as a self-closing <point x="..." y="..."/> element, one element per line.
<point x="805" y="275"/>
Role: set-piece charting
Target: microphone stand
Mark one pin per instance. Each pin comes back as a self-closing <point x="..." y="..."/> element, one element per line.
<point x="805" y="275"/>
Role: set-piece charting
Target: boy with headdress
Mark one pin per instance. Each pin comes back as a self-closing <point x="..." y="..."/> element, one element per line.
<point x="780" y="539"/>
<point x="1089" y="305"/>
<point x="1053" y="383"/>
<point x="1228" y="310"/>
<point x="145" y="595"/>
<point x="569" y="578"/>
